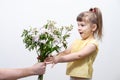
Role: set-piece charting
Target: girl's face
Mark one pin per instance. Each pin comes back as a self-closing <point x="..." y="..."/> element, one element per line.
<point x="85" y="30"/>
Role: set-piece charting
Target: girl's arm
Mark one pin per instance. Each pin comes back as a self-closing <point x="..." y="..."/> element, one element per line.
<point x="65" y="52"/>
<point x="49" y="59"/>
<point x="87" y="50"/>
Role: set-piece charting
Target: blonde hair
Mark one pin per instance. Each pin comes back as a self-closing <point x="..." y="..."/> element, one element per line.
<point x="93" y="16"/>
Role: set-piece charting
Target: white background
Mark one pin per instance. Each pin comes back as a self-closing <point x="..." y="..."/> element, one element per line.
<point x="15" y="15"/>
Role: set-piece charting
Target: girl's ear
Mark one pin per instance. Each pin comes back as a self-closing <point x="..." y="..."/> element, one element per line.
<point x="94" y="27"/>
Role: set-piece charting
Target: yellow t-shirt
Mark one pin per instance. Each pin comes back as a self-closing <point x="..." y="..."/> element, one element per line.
<point x="82" y="67"/>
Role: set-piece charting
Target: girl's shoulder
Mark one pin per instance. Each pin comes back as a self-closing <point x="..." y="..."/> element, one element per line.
<point x="94" y="41"/>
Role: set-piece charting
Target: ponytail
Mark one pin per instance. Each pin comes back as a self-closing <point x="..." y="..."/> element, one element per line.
<point x="99" y="22"/>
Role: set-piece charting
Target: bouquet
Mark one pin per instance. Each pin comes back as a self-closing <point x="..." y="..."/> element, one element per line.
<point x="46" y="40"/>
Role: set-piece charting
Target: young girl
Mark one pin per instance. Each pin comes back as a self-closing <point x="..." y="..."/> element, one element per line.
<point x="82" y="53"/>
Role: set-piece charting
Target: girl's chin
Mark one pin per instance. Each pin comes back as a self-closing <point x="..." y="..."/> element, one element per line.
<point x="83" y="37"/>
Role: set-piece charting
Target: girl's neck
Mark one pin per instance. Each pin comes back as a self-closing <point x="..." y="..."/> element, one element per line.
<point x="89" y="38"/>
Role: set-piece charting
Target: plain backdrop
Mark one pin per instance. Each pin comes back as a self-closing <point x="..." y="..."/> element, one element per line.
<point x="16" y="15"/>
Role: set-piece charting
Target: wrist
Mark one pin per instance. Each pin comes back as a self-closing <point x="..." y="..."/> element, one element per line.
<point x="57" y="59"/>
<point x="32" y="71"/>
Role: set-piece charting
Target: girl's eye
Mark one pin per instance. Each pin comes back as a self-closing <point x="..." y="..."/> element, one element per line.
<point x="82" y="25"/>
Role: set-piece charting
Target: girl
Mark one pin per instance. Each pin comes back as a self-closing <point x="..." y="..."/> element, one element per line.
<point x="82" y="53"/>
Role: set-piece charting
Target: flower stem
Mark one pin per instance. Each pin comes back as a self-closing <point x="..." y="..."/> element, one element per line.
<point x="40" y="77"/>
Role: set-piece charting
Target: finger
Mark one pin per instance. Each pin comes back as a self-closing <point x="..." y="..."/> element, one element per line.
<point x="44" y="63"/>
<point x="50" y="55"/>
<point x="47" y="59"/>
<point x="53" y="65"/>
<point x="48" y="62"/>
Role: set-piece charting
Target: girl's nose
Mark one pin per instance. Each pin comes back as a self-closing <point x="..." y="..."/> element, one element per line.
<point x="79" y="28"/>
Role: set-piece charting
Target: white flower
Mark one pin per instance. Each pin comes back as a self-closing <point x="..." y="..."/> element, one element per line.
<point x="56" y="39"/>
<point x="43" y="41"/>
<point x="36" y="38"/>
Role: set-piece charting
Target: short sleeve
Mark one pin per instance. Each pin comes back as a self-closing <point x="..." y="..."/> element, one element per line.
<point x="95" y="42"/>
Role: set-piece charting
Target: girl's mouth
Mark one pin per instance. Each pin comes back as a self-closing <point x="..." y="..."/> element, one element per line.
<point x="81" y="32"/>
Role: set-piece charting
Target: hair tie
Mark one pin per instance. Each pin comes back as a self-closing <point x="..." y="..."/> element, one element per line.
<point x="92" y="10"/>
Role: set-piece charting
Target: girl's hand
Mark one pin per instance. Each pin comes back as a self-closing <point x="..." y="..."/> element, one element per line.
<point x="49" y="59"/>
<point x="54" y="61"/>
